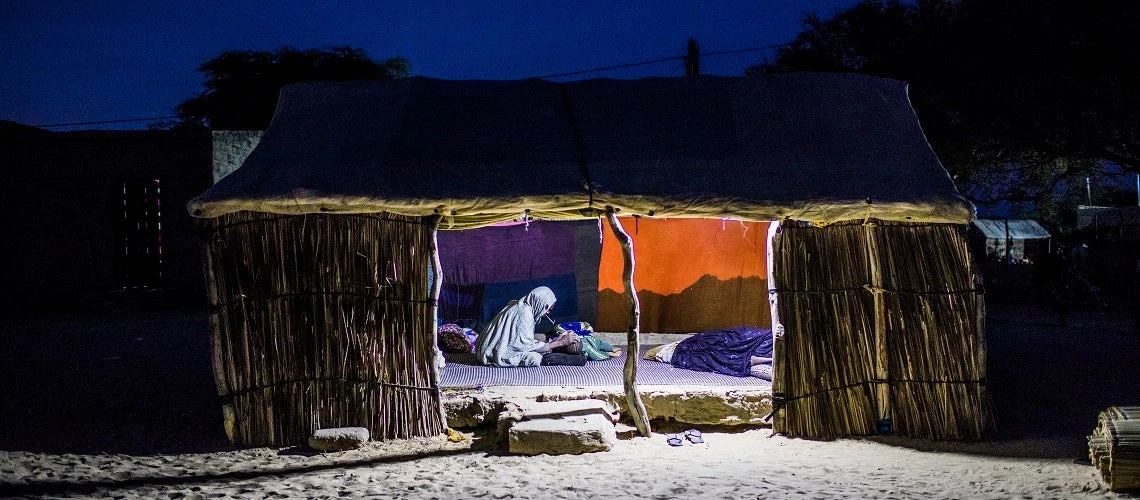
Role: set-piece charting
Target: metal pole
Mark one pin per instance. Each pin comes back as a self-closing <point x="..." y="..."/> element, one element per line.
<point x="693" y="59"/>
<point x="1008" y="242"/>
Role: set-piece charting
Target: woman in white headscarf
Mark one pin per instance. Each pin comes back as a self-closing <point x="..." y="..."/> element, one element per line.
<point x="509" y="338"/>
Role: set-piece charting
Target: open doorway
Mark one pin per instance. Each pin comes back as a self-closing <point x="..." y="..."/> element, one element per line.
<point x="692" y="276"/>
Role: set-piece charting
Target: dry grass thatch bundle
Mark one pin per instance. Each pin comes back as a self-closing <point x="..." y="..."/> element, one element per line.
<point x="1114" y="447"/>
<point x="882" y="332"/>
<point x="322" y="321"/>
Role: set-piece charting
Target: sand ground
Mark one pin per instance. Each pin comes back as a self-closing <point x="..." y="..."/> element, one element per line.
<point x="121" y="405"/>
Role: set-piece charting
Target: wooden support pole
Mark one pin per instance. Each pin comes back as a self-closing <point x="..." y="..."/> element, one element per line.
<point x="882" y="366"/>
<point x="633" y="350"/>
<point x="218" y="359"/>
<point x="979" y="328"/>
<point x="436" y="285"/>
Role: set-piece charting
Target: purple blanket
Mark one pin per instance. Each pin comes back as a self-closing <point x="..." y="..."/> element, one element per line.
<point x="726" y="351"/>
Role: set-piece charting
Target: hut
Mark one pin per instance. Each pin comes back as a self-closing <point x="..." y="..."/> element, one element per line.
<point x="319" y="248"/>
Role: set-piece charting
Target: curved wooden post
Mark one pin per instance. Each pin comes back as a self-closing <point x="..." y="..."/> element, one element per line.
<point x="436" y="285"/>
<point x="633" y="350"/>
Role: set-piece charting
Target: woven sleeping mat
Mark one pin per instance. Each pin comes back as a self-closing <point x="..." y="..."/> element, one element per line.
<point x="461" y="371"/>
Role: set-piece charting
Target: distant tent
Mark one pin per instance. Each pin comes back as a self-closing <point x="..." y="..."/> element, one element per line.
<point x="1097" y="219"/>
<point x="1010" y="240"/>
<point x="321" y="244"/>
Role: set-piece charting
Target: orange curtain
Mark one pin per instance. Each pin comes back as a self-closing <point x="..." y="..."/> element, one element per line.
<point x="691" y="275"/>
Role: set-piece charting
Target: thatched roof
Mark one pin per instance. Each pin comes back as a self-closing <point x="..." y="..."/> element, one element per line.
<point x="806" y="146"/>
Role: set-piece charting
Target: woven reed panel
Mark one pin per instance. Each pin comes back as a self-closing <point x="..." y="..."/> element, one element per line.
<point x="322" y="321"/>
<point x="932" y="315"/>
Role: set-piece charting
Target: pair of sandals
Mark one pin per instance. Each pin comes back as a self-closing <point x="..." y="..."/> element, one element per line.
<point x="694" y="436"/>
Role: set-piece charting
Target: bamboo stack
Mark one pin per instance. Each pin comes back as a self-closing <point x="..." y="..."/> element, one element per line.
<point x="322" y="321"/>
<point x="1114" y="447"/>
<point x="849" y="294"/>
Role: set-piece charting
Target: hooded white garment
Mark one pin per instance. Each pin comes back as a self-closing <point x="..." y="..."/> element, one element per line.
<point x="509" y="338"/>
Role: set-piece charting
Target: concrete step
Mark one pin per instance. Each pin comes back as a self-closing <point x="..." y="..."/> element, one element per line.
<point x="534" y="410"/>
<point x="563" y="427"/>
<point x="625" y="431"/>
<point x="565" y="435"/>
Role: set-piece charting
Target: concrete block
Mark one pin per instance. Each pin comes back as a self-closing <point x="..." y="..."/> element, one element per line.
<point x="703" y="406"/>
<point x="625" y="431"/>
<point x="231" y="147"/>
<point x="467" y="411"/>
<point x="559" y="436"/>
<point x="509" y="415"/>
<point x="338" y="438"/>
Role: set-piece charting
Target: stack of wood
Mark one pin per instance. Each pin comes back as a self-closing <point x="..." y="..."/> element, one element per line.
<point x="1114" y="447"/>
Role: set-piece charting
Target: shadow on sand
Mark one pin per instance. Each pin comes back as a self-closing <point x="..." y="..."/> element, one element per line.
<point x="189" y="482"/>
<point x="1049" y="382"/>
<point x="125" y="382"/>
<point x="140" y="383"/>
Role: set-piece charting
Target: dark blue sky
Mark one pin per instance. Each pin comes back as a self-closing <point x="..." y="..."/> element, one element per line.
<point x="77" y="61"/>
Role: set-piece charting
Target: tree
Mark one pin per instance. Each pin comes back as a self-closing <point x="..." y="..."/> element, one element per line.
<point x="242" y="86"/>
<point x="1018" y="97"/>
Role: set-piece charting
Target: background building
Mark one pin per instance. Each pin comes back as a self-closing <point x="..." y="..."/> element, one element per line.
<point x="98" y="219"/>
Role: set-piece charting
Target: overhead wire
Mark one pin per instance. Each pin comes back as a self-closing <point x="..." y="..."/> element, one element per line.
<point x="663" y="59"/>
<point x="101" y="122"/>
<point x="552" y="75"/>
<point x="607" y="68"/>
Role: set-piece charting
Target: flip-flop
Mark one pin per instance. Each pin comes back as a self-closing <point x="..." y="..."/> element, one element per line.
<point x="616" y="352"/>
<point x="694" y="436"/>
<point x="674" y="440"/>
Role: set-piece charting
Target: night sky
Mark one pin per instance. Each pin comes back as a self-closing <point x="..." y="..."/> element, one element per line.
<point x="81" y="61"/>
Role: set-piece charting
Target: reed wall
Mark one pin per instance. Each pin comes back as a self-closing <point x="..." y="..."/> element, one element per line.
<point x="883" y="332"/>
<point x="322" y="321"/>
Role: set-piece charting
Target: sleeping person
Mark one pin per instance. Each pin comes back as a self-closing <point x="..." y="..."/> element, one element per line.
<point x="509" y="339"/>
<point x="593" y="347"/>
<point x="739" y="352"/>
